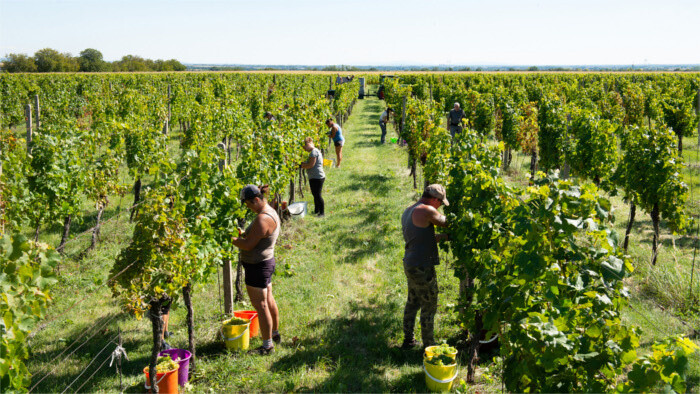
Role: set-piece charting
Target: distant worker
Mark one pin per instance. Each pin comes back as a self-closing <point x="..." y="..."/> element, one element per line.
<point x="420" y="258"/>
<point x="383" y="120"/>
<point x="455" y="118"/>
<point x="314" y="170"/>
<point x="336" y="134"/>
<point x="257" y="254"/>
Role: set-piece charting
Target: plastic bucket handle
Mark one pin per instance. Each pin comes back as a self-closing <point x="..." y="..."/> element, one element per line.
<point x="438" y="380"/>
<point x="221" y="330"/>
<point x="490" y="340"/>
<point x="159" y="380"/>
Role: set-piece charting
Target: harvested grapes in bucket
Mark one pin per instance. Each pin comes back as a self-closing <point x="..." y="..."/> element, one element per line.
<point x="443" y="349"/>
<point x="440" y="360"/>
<point x="236" y="321"/>
<point x="165" y="364"/>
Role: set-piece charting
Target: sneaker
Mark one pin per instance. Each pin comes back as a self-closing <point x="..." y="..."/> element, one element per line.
<point x="408" y="345"/>
<point x="277" y="338"/>
<point x="262" y="351"/>
<point x="321" y="215"/>
<point x="164" y="345"/>
<point x="167" y="334"/>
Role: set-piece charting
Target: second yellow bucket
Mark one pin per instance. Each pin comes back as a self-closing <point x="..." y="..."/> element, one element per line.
<point x="439" y="378"/>
<point x="236" y="337"/>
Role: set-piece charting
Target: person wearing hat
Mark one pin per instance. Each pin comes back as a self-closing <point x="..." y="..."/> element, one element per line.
<point x="420" y="258"/>
<point x="383" y="120"/>
<point x="257" y="254"/>
<point x="336" y="134"/>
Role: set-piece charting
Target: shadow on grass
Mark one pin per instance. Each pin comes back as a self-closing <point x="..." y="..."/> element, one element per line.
<point x="354" y="349"/>
<point x="358" y="240"/>
<point x="380" y="185"/>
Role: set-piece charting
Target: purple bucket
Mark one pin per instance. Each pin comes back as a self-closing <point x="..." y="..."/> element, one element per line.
<point x="184" y="372"/>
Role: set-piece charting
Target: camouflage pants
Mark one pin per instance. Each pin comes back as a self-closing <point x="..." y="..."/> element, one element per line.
<point x="423" y="296"/>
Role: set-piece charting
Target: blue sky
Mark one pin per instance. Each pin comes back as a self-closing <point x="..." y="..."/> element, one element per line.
<point x="361" y="32"/>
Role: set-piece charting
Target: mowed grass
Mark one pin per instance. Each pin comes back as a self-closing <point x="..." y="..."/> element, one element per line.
<point x="339" y="285"/>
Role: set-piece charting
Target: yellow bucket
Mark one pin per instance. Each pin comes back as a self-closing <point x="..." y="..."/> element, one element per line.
<point x="430" y="353"/>
<point x="327" y="163"/>
<point x="439" y="378"/>
<point x="236" y="337"/>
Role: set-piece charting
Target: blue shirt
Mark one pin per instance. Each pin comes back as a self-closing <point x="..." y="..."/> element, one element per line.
<point x="338" y="135"/>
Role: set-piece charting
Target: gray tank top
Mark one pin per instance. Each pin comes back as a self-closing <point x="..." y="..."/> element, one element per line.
<point x="265" y="249"/>
<point x="421" y="247"/>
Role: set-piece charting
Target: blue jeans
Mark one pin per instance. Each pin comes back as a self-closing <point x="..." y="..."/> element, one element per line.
<point x="382" y="126"/>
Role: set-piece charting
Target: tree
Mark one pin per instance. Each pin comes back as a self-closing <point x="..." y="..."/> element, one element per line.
<point x="131" y="63"/>
<point x="90" y="60"/>
<point x="50" y="60"/>
<point x="19" y="63"/>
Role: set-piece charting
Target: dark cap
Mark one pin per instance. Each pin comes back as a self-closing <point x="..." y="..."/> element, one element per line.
<point x="249" y="192"/>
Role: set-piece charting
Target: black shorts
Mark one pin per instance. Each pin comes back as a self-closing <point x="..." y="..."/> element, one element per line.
<point x="260" y="274"/>
<point x="339" y="143"/>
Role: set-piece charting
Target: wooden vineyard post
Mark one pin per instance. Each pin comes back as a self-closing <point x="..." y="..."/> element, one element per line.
<point x="228" y="283"/>
<point x="37" y="109"/>
<point x="403" y="120"/>
<point x="28" y="117"/>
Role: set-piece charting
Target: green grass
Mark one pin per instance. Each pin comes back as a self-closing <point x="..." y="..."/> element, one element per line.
<point x="339" y="285"/>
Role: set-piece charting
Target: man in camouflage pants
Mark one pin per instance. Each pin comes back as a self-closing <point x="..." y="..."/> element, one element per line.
<point x="420" y="258"/>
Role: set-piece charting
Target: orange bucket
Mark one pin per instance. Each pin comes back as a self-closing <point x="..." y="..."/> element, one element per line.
<point x="254" y="323"/>
<point x="166" y="381"/>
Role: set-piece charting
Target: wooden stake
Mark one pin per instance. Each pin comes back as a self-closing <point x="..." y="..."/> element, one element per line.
<point x="37" y="109"/>
<point x="28" y="117"/>
<point x="228" y="284"/>
<point x="228" y="288"/>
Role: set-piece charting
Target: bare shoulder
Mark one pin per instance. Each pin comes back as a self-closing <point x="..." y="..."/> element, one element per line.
<point x="422" y="215"/>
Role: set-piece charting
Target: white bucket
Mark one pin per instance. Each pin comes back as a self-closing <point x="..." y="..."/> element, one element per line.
<point x="297" y="209"/>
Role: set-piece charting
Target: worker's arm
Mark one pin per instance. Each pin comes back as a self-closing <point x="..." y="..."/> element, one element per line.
<point x="310" y="163"/>
<point x="334" y="131"/>
<point x="257" y="232"/>
<point x="436" y="217"/>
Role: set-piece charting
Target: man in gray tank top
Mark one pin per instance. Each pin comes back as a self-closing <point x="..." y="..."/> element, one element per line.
<point x="420" y="258"/>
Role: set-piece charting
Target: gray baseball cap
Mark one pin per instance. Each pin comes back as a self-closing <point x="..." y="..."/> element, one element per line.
<point x="250" y="192"/>
<point x="436" y="190"/>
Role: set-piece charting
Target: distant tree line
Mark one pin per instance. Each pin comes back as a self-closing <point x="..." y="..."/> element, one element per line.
<point x="90" y="60"/>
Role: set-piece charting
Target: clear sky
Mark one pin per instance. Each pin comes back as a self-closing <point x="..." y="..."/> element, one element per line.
<point x="361" y="32"/>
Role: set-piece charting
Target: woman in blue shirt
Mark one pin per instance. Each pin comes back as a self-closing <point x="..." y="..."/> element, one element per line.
<point x="336" y="133"/>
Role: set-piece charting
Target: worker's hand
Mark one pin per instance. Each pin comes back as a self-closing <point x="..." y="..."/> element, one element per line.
<point x="240" y="231"/>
